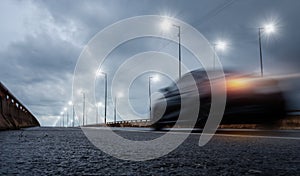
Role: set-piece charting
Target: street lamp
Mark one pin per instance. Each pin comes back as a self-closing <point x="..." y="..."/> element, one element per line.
<point x="268" y="29"/>
<point x="219" y="45"/>
<point x="119" y="95"/>
<point x="154" y="79"/>
<point x="166" y="25"/>
<point x="99" y="73"/>
<point x="83" y="107"/>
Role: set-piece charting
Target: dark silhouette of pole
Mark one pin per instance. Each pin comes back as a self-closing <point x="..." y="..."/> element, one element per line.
<point x="73" y="115"/>
<point x="105" y="103"/>
<point x="67" y="118"/>
<point x="115" y="111"/>
<point x="260" y="52"/>
<point x="179" y="49"/>
<point x="97" y="113"/>
<point x="150" y="102"/>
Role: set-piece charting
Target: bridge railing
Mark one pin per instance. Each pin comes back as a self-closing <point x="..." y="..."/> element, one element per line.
<point x="13" y="113"/>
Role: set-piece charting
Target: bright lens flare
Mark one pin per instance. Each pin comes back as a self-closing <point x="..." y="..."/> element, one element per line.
<point x="99" y="104"/>
<point x="221" y="45"/>
<point x="269" y="28"/>
<point x="166" y="25"/>
<point x="155" y="78"/>
<point x="234" y="84"/>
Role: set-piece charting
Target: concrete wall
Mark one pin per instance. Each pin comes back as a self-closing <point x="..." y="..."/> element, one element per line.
<point x="13" y="114"/>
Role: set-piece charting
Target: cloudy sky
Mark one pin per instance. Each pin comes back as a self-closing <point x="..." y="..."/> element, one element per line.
<point x="42" y="40"/>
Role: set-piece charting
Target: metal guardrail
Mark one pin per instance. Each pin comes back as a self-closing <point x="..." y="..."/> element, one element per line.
<point x="129" y="121"/>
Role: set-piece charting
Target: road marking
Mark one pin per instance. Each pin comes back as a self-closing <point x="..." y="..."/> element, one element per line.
<point x="257" y="136"/>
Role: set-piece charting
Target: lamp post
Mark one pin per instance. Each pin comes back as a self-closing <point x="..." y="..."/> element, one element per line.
<point x="219" y="45"/>
<point x="155" y="79"/>
<point x="166" y="25"/>
<point x="119" y="95"/>
<point x="269" y="28"/>
<point x="105" y="92"/>
<point x="83" y="108"/>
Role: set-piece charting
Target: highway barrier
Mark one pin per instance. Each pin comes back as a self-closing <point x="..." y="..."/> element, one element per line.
<point x="13" y="114"/>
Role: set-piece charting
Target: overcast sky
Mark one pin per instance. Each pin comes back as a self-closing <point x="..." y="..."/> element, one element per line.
<point x="41" y="41"/>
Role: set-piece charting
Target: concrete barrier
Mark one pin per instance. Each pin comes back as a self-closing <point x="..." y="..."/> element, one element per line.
<point x="13" y="114"/>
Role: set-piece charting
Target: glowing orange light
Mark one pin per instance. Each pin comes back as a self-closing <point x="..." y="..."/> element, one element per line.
<point x="237" y="84"/>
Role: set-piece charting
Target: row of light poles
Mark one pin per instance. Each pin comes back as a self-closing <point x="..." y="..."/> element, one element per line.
<point x="166" y="25"/>
<point x="268" y="29"/>
<point x="66" y="112"/>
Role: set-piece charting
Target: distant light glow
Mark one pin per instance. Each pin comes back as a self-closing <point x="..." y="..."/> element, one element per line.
<point x="99" y="73"/>
<point x="65" y="109"/>
<point x="221" y="45"/>
<point x="70" y="103"/>
<point x="155" y="78"/>
<point x="61" y="113"/>
<point x="166" y="25"/>
<point x="269" y="28"/>
<point x="99" y="104"/>
<point x="120" y="94"/>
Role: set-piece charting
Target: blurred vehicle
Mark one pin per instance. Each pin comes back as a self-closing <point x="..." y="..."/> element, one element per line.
<point x="250" y="100"/>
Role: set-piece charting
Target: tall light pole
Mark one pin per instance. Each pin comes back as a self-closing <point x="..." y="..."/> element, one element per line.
<point x="105" y="92"/>
<point x="155" y="79"/>
<point x="119" y="95"/>
<point x="270" y="28"/>
<point x="166" y="25"/>
<point x="67" y="117"/>
<point x="83" y="108"/>
<point x="219" y="45"/>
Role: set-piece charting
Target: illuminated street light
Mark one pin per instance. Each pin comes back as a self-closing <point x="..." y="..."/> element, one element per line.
<point x="154" y="78"/>
<point x="221" y="45"/>
<point x="100" y="73"/>
<point x="268" y="29"/>
<point x="166" y="25"/>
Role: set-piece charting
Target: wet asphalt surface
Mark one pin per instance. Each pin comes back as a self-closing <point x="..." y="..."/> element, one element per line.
<point x="66" y="151"/>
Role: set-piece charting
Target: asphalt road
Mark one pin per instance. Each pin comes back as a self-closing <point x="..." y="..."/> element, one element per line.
<point x="66" y="151"/>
